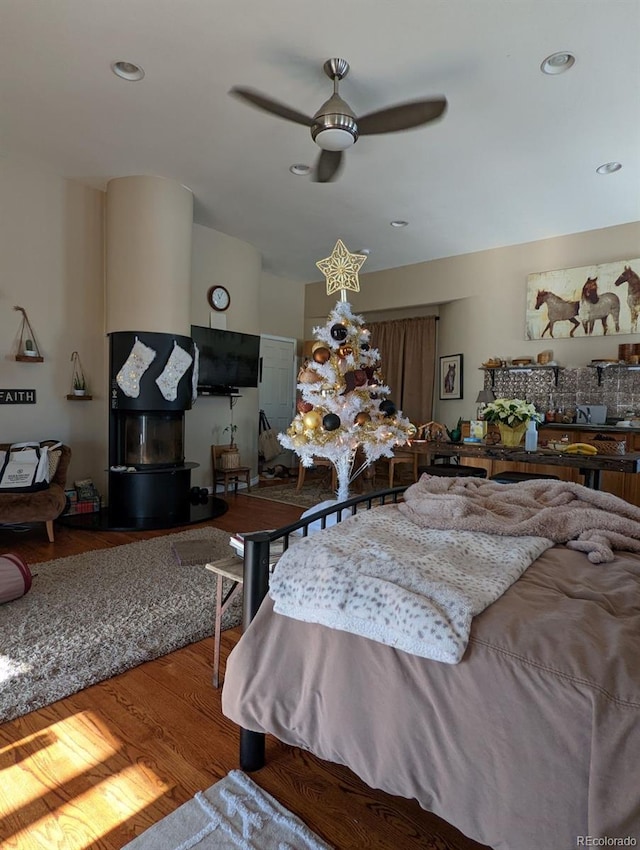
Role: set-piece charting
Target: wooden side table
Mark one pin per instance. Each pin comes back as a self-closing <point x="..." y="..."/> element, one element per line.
<point x="231" y="568"/>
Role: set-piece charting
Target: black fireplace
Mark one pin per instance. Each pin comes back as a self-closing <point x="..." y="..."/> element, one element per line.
<point x="151" y="388"/>
<point x="150" y="438"/>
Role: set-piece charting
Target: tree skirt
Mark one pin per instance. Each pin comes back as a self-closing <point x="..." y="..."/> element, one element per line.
<point x="91" y="616"/>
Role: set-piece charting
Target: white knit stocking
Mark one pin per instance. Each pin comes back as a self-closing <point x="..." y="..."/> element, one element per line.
<point x="177" y="364"/>
<point x="136" y="364"/>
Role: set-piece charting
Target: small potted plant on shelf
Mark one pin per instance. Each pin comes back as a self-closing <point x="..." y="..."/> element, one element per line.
<point x="29" y="350"/>
<point x="79" y="385"/>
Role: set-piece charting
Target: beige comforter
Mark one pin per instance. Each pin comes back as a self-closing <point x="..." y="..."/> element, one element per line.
<point x="587" y="520"/>
<point x="531" y="741"/>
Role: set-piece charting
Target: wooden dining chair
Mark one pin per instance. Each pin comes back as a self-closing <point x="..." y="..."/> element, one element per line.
<point x="225" y="476"/>
<point x="400" y="457"/>
<point x="317" y="461"/>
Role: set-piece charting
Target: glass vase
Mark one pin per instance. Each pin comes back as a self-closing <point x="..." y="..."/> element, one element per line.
<point x="512" y="435"/>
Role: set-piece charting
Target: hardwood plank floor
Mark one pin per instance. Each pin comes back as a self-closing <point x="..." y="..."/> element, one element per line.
<point x="96" y="769"/>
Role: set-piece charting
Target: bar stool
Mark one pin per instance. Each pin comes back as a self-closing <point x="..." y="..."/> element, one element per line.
<point x="453" y="470"/>
<point x="514" y="477"/>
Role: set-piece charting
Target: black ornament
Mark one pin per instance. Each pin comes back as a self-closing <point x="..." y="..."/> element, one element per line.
<point x="387" y="407"/>
<point x="364" y="346"/>
<point x="331" y="422"/>
<point x="338" y="332"/>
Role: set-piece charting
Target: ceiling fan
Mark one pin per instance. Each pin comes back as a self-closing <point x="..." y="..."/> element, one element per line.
<point x="335" y="127"/>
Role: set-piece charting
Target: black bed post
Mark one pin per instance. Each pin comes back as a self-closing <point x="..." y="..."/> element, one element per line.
<point x="255" y="588"/>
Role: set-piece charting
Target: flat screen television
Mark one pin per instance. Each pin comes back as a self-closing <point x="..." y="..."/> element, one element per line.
<point x="228" y="360"/>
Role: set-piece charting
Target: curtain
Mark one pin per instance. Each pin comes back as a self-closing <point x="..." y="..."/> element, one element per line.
<point x="408" y="360"/>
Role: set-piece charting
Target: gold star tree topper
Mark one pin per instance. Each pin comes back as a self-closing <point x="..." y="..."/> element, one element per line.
<point x="341" y="270"/>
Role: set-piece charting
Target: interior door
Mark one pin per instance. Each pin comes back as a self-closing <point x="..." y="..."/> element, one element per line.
<point x="277" y="385"/>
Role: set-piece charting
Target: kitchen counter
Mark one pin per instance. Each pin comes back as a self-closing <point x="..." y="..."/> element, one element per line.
<point x="609" y="427"/>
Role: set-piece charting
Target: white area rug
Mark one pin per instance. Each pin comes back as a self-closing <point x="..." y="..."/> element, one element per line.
<point x="91" y="616"/>
<point x="233" y="813"/>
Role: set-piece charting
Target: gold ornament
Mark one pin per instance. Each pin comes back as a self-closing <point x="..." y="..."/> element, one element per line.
<point x="308" y="376"/>
<point x="321" y="354"/>
<point x="312" y="420"/>
<point x="362" y="417"/>
<point x="345" y="350"/>
<point x="341" y="270"/>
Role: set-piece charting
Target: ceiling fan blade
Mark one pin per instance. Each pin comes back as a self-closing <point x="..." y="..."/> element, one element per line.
<point x="328" y="166"/>
<point x="268" y="105"/>
<point x="401" y="117"/>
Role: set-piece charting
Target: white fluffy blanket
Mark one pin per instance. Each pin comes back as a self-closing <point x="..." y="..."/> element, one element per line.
<point x="584" y="519"/>
<point x="379" y="575"/>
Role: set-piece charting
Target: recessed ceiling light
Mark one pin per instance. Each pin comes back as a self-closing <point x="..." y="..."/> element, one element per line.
<point x="365" y="251"/>
<point x="299" y="169"/>
<point x="127" y="71"/>
<point x="398" y="223"/>
<point x="557" y="63"/>
<point x="609" y="167"/>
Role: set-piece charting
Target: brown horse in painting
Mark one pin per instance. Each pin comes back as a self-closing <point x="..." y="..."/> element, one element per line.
<point x="595" y="307"/>
<point x="558" y="310"/>
<point x="633" y="294"/>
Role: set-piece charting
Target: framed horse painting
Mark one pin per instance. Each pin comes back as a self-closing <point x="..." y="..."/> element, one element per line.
<point x="585" y="301"/>
<point x="451" y="376"/>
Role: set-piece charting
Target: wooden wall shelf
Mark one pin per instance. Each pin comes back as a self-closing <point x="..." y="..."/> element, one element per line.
<point x="71" y="397"/>
<point x="24" y="358"/>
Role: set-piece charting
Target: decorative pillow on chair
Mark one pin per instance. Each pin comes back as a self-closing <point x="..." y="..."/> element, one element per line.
<point x="15" y="577"/>
<point x="54" y="460"/>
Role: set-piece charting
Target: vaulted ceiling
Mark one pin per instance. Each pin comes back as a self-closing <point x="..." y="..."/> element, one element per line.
<point x="512" y="160"/>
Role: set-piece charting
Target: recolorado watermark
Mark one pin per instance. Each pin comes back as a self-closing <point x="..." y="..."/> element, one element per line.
<point x="592" y="841"/>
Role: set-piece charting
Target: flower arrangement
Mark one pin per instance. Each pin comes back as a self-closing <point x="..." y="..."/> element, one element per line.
<point x="511" y="411"/>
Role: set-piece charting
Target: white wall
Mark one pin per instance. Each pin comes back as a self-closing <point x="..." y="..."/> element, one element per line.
<point x="51" y="263"/>
<point x="482" y="298"/>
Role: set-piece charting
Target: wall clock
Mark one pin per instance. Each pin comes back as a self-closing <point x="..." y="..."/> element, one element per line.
<point x="218" y="297"/>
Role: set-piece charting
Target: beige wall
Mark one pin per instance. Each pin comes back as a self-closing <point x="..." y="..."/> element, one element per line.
<point x="482" y="299"/>
<point x="148" y="229"/>
<point x="51" y="263"/>
<point x="281" y="307"/>
<point x="217" y="258"/>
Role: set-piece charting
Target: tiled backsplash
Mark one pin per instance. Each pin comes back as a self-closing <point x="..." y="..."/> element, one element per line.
<point x="619" y="389"/>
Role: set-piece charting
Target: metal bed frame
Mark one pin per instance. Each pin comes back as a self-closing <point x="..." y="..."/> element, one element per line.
<point x="256" y="584"/>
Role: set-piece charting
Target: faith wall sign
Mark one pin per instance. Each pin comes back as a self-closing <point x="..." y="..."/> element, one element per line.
<point x="17" y="396"/>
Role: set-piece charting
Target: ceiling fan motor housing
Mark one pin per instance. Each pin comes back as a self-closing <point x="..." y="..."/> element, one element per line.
<point x="334" y="125"/>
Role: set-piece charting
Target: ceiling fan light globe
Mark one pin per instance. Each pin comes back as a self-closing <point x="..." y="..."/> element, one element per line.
<point x="335" y="139"/>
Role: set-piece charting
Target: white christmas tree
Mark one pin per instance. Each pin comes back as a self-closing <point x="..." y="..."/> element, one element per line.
<point x="344" y="404"/>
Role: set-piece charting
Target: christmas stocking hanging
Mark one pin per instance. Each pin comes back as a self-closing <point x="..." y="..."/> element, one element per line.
<point x="195" y="374"/>
<point x="177" y="364"/>
<point x="136" y="364"/>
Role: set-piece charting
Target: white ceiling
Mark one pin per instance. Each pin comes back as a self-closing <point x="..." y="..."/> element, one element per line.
<point x="513" y="160"/>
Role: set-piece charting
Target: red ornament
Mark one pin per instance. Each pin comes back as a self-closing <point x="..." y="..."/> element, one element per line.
<point x="303" y="406"/>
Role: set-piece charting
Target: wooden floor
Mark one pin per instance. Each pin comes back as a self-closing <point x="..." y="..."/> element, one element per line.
<point x="96" y="769"/>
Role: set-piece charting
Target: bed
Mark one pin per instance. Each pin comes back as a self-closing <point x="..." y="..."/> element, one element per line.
<point x="531" y="740"/>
